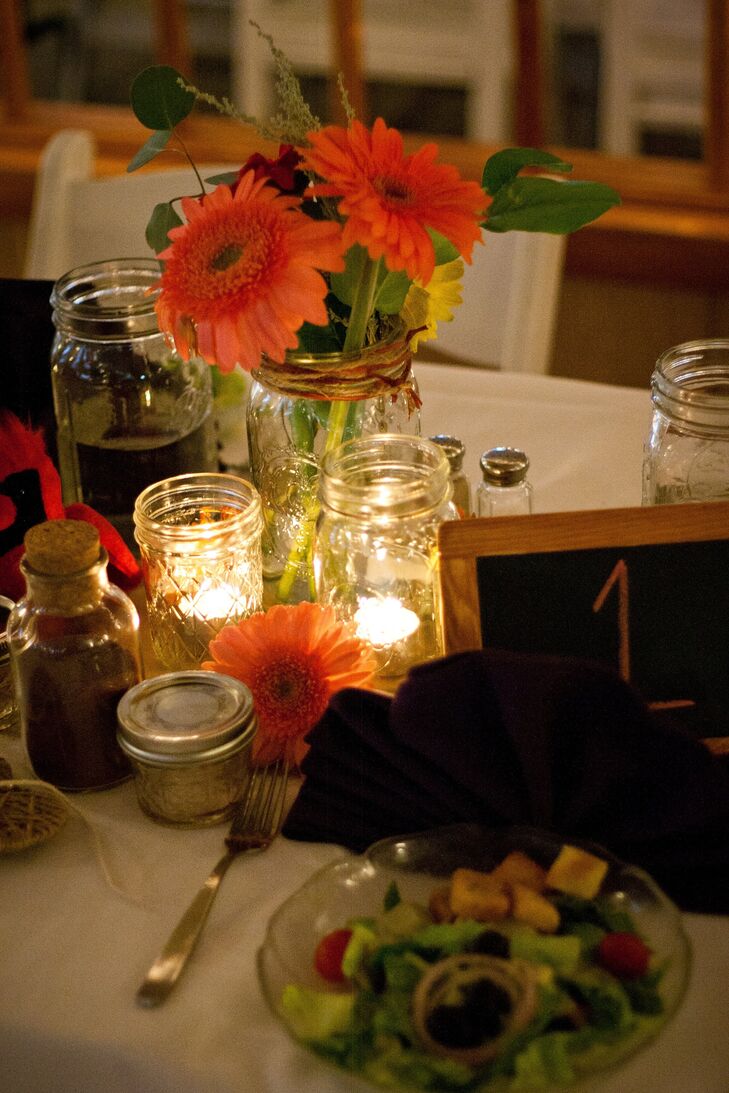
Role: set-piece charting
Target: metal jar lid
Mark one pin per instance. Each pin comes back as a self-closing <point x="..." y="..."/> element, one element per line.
<point x="186" y="717"/>
<point x="504" y="466"/>
<point x="6" y="606"/>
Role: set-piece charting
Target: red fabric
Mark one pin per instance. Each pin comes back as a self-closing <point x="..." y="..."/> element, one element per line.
<point x="30" y="492"/>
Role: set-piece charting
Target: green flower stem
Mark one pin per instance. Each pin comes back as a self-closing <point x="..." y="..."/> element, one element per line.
<point x="355" y="338"/>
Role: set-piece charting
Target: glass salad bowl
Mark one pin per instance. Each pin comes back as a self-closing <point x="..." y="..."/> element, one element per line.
<point x="359" y="886"/>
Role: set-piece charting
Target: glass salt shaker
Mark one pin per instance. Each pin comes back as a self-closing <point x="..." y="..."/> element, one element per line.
<point x="505" y="490"/>
<point x="74" y="651"/>
<point x="455" y="450"/>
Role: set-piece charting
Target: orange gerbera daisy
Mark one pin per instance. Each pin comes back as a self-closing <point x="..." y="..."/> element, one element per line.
<point x="241" y="275"/>
<point x="293" y="658"/>
<point x="389" y="199"/>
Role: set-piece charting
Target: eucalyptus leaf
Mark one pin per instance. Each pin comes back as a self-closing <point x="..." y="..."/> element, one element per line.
<point x="158" y="99"/>
<point x="163" y="218"/>
<point x="548" y="205"/>
<point x="151" y="148"/>
<point x="503" y="167"/>
<point x="227" y="177"/>
<point x="392" y="292"/>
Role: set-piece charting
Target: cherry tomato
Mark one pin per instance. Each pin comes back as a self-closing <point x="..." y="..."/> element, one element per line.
<point x="623" y="954"/>
<point x="329" y="953"/>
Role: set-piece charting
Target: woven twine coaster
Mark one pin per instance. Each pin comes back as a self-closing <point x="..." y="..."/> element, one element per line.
<point x="30" y="813"/>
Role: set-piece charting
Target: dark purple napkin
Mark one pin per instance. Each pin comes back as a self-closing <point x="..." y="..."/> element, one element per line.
<point x="504" y="738"/>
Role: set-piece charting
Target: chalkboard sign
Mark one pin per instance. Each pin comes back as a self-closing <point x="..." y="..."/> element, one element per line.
<point x="645" y="590"/>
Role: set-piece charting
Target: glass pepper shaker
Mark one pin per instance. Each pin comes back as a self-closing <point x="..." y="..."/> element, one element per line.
<point x="455" y="450"/>
<point x="504" y="490"/>
<point x="74" y="651"/>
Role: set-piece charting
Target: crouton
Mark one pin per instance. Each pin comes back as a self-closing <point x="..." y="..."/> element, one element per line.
<point x="478" y="896"/>
<point x="519" y="868"/>
<point x="530" y="907"/>
<point x="439" y="904"/>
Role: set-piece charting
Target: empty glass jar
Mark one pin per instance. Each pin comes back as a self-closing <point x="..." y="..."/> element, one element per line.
<point x="686" y="455"/>
<point x="129" y="411"/>
<point x="382" y="501"/>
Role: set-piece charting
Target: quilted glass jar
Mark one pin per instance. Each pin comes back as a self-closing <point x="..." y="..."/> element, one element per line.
<point x="200" y="542"/>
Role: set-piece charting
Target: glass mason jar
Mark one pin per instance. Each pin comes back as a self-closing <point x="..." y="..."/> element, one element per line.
<point x="128" y="410"/>
<point x="301" y="409"/>
<point x="686" y="455"/>
<point x="382" y="500"/>
<point x="74" y="648"/>
<point x="200" y="542"/>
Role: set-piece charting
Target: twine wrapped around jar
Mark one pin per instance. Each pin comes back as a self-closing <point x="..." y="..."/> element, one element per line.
<point x="384" y="368"/>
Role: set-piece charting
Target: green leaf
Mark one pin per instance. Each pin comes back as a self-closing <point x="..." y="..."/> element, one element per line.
<point x="151" y="148"/>
<point x="445" y="251"/>
<point x="548" y="205"/>
<point x="344" y="284"/>
<point x="157" y="98"/>
<point x="318" y="339"/>
<point x="504" y="166"/>
<point x="392" y="292"/>
<point x="163" y="218"/>
<point x="227" y="177"/>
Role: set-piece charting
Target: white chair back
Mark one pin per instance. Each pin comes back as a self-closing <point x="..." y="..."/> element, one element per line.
<point x="510" y="301"/>
<point x="77" y="218"/>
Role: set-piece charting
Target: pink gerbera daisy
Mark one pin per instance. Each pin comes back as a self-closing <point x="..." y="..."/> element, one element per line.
<point x="389" y="199"/>
<point x="293" y="659"/>
<point x="242" y="274"/>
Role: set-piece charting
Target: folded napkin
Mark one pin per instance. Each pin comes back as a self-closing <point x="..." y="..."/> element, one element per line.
<point x="505" y="738"/>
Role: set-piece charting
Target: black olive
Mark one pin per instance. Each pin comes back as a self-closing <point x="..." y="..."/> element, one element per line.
<point x="486" y="997"/>
<point x="490" y="943"/>
<point x="461" y="1027"/>
<point x="478" y="1018"/>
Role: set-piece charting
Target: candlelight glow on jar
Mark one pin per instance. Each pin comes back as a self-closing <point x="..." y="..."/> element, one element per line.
<point x="200" y="543"/>
<point x="382" y="499"/>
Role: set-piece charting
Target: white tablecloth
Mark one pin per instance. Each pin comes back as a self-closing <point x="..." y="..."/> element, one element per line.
<point x="76" y="942"/>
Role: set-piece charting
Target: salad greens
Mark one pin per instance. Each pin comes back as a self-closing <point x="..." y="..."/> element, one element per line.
<point x="583" y="1015"/>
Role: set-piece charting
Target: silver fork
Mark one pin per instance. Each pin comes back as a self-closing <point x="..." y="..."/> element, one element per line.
<point x="256" y="823"/>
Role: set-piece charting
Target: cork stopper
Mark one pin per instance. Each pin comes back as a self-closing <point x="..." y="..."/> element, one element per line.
<point x="59" y="547"/>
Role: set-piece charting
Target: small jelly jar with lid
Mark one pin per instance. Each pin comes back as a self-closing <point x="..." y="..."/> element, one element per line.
<point x="200" y="542"/>
<point x="382" y="500"/>
<point x="686" y="455"/>
<point x="188" y="736"/>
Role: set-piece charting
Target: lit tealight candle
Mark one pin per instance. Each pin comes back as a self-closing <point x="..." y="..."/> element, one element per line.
<point x="384" y="622"/>
<point x="208" y="604"/>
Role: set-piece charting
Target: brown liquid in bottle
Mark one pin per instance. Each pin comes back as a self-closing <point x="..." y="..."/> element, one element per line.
<point x="74" y="655"/>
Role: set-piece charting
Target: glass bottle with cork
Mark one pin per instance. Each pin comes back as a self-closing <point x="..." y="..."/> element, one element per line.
<point x="504" y="490"/>
<point x="74" y="648"/>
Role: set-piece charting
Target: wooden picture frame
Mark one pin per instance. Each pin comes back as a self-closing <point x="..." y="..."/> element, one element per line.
<point x="645" y="587"/>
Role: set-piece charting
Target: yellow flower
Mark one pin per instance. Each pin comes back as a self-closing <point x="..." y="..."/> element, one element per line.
<point x="435" y="303"/>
